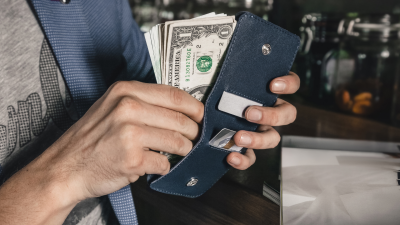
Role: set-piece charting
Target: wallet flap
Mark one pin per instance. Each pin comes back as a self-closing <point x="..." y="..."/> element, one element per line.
<point x="259" y="51"/>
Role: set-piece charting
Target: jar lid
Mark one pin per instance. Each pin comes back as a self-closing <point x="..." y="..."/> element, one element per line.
<point x="375" y="27"/>
<point x="324" y="26"/>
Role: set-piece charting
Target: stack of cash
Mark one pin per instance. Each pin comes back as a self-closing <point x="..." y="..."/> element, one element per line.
<point x="188" y="54"/>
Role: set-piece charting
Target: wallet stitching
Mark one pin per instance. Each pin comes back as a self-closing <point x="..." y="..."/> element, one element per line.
<point x="206" y="109"/>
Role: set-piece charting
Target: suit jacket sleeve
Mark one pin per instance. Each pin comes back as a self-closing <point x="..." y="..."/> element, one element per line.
<point x="138" y="63"/>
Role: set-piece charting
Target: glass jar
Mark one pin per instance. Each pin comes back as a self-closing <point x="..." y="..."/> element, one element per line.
<point x="319" y="36"/>
<point x="367" y="66"/>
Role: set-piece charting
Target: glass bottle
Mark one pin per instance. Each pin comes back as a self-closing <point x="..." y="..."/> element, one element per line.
<point x="319" y="35"/>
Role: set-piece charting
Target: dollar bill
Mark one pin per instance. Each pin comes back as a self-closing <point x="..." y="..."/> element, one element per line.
<point x="194" y="53"/>
<point x="188" y="54"/>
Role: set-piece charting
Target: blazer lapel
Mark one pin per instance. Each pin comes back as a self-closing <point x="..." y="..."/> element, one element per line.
<point x="68" y="32"/>
<point x="66" y="29"/>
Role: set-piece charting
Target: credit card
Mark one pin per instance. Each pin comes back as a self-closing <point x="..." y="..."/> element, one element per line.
<point x="224" y="140"/>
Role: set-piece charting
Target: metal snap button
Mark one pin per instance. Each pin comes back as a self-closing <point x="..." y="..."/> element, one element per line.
<point x="266" y="49"/>
<point x="193" y="181"/>
<point x="65" y="1"/>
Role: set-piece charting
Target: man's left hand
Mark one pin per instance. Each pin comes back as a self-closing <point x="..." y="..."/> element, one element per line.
<point x="282" y="113"/>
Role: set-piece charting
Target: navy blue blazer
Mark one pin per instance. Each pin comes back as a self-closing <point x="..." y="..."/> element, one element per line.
<point x="96" y="42"/>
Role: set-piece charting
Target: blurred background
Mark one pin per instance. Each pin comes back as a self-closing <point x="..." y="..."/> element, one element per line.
<point x="349" y="59"/>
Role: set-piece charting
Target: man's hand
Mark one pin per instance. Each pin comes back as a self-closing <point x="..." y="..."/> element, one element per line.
<point x="282" y="113"/>
<point x="108" y="148"/>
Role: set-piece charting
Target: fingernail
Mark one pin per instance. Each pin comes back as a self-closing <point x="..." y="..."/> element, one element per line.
<point x="245" y="140"/>
<point x="235" y="161"/>
<point x="278" y="86"/>
<point x="254" y="114"/>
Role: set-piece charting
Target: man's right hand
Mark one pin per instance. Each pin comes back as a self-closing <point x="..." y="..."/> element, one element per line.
<point x="109" y="147"/>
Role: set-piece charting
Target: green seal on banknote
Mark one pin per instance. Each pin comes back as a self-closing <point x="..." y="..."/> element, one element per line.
<point x="204" y="63"/>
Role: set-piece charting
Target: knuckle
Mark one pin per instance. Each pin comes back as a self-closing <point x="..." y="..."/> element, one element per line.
<point x="176" y="96"/>
<point x="162" y="163"/>
<point x="237" y="136"/>
<point x="199" y="110"/>
<point x="136" y="161"/>
<point x="166" y="164"/>
<point x="132" y="163"/>
<point x="127" y="132"/>
<point x="273" y="117"/>
<point x="135" y="82"/>
<point x="128" y="105"/>
<point x="245" y="164"/>
<point x="173" y="142"/>
<point x="249" y="163"/>
<point x="179" y="143"/>
<point x="119" y="88"/>
<point x="181" y="119"/>
<point x="276" y="138"/>
<point x="294" y="114"/>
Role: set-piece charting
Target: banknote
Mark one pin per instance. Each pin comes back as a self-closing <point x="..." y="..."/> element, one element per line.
<point x="155" y="43"/>
<point x="194" y="52"/>
<point x="188" y="54"/>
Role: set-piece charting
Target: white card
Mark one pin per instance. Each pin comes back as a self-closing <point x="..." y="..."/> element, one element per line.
<point x="234" y="104"/>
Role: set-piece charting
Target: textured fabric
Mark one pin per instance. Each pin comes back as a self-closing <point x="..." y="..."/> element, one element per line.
<point x="122" y="203"/>
<point x="35" y="105"/>
<point x="68" y="33"/>
<point x="96" y="42"/>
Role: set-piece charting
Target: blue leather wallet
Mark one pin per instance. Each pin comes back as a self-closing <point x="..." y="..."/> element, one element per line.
<point x="259" y="51"/>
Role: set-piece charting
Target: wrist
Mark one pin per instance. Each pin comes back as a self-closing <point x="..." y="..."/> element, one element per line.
<point x="56" y="180"/>
<point x="34" y="195"/>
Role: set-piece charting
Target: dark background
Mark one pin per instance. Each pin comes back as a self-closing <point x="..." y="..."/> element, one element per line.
<point x="285" y="13"/>
<point x="289" y="14"/>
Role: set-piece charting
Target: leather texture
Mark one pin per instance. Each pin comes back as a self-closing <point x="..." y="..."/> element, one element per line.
<point x="96" y="42"/>
<point x="246" y="72"/>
